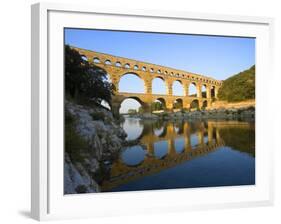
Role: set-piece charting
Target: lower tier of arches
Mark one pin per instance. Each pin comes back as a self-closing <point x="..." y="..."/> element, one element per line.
<point x="150" y="103"/>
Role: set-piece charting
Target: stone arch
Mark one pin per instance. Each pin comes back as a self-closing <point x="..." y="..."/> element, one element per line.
<point x="178" y="89"/>
<point x="204" y="104"/>
<point x="159" y="86"/>
<point x="107" y="62"/>
<point x="158" y="105"/>
<point x="131" y="73"/>
<point x="204" y="91"/>
<point x="96" y="60"/>
<point x="84" y="58"/>
<point x="118" y="64"/>
<point x="194" y="104"/>
<point x="178" y="104"/>
<point x="135" y="104"/>
<point x="127" y="66"/>
<point x="125" y="86"/>
<point x="136" y="67"/>
<point x="134" y="98"/>
<point x="192" y="91"/>
<point x="163" y="101"/>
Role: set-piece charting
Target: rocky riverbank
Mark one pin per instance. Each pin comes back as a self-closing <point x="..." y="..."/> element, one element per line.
<point x="92" y="141"/>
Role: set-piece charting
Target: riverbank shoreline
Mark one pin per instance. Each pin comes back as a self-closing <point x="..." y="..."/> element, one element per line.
<point x="247" y="113"/>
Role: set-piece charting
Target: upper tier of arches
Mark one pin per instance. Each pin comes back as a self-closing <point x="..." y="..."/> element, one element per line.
<point x="106" y="60"/>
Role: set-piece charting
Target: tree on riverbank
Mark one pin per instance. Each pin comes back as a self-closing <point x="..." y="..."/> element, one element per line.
<point x="239" y="87"/>
<point x="84" y="80"/>
<point x="155" y="106"/>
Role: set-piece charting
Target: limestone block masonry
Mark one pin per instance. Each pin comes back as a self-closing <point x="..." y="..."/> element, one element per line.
<point x="116" y="67"/>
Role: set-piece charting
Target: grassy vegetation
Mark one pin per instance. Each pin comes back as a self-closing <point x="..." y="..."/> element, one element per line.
<point x="239" y="87"/>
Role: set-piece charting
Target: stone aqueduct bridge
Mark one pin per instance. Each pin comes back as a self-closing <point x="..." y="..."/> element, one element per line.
<point x="116" y="67"/>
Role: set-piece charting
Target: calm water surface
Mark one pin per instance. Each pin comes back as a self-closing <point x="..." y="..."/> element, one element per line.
<point x="184" y="154"/>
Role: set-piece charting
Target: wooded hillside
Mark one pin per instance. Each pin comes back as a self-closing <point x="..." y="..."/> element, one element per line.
<point x="239" y="87"/>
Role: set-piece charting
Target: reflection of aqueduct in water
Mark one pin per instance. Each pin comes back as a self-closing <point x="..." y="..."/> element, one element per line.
<point x="210" y="130"/>
<point x="116" y="67"/>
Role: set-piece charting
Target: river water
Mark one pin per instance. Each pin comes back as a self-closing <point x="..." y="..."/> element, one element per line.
<point x="184" y="154"/>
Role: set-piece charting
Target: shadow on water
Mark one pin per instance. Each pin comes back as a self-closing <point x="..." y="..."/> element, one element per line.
<point x="180" y="154"/>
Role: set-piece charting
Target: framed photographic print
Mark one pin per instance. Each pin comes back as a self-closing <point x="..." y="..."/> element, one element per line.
<point x="148" y="111"/>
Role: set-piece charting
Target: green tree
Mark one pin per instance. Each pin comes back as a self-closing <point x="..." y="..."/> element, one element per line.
<point x="239" y="87"/>
<point x="156" y="106"/>
<point x="85" y="80"/>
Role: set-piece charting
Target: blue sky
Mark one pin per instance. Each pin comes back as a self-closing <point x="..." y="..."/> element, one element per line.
<point x="215" y="56"/>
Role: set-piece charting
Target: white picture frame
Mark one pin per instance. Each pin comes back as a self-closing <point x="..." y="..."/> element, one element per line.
<point x="48" y="201"/>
